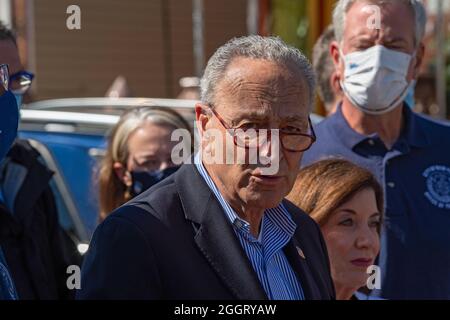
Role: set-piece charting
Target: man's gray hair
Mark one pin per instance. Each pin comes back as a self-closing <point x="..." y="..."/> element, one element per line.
<point x="343" y="6"/>
<point x="255" y="47"/>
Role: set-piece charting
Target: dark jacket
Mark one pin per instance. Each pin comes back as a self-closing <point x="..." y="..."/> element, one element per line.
<point x="30" y="235"/>
<point x="174" y="242"/>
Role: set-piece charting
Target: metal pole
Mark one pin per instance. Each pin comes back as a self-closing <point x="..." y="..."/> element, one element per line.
<point x="198" y="36"/>
<point x="167" y="43"/>
<point x="252" y="16"/>
<point x="441" y="85"/>
<point x="31" y="41"/>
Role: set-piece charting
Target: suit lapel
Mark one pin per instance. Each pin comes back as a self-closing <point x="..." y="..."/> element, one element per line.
<point x="215" y="236"/>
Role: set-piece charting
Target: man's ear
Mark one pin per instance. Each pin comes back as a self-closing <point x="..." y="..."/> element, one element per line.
<point x="335" y="55"/>
<point x="420" y="54"/>
<point x="201" y="116"/>
<point x="122" y="173"/>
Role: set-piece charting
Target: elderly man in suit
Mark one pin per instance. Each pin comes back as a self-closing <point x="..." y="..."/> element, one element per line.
<point x="220" y="228"/>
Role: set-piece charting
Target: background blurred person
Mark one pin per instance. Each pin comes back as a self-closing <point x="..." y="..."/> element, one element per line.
<point x="375" y="129"/>
<point x="39" y="252"/>
<point x="119" y="88"/>
<point x="347" y="203"/>
<point x="328" y="81"/>
<point x="138" y="155"/>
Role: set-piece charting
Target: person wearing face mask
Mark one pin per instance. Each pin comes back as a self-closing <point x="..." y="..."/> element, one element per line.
<point x="327" y="78"/>
<point x="8" y="131"/>
<point x="138" y="155"/>
<point x="35" y="247"/>
<point x="20" y="80"/>
<point x="408" y="154"/>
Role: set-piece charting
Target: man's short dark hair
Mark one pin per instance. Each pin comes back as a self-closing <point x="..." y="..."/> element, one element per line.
<point x="323" y="65"/>
<point x="6" y="33"/>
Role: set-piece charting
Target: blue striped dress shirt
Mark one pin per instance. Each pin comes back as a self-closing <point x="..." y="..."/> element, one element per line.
<point x="265" y="252"/>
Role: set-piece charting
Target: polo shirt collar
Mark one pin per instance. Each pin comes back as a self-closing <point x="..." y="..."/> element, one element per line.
<point x="413" y="133"/>
<point x="349" y="137"/>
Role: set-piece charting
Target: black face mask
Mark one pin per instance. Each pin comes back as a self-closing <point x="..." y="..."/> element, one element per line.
<point x="142" y="180"/>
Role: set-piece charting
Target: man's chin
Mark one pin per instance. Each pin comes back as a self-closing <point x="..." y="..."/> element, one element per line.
<point x="264" y="199"/>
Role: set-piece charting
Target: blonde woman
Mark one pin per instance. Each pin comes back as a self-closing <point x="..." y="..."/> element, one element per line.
<point x="347" y="203"/>
<point x="138" y="155"/>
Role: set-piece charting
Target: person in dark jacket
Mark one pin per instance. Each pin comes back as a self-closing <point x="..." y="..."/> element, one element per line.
<point x="32" y="242"/>
<point x="221" y="230"/>
<point x="38" y="252"/>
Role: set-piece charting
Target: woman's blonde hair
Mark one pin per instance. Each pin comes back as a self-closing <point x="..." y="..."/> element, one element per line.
<point x="112" y="191"/>
<point x="325" y="185"/>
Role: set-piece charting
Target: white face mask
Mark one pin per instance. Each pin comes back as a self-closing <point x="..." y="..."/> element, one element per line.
<point x="375" y="79"/>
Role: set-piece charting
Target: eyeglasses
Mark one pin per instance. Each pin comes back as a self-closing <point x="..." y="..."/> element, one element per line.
<point x="4" y="76"/>
<point x="293" y="142"/>
<point x="20" y="82"/>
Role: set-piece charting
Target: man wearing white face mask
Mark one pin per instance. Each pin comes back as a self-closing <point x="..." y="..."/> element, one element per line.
<point x="409" y="155"/>
<point x="375" y="79"/>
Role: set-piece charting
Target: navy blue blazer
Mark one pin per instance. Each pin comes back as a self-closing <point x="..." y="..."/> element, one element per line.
<point x="174" y="242"/>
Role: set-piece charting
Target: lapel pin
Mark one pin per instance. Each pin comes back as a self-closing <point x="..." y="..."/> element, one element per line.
<point x="300" y="252"/>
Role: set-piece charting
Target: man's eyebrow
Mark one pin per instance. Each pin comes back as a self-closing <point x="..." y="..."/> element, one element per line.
<point x="256" y="116"/>
<point x="361" y="38"/>
<point x="261" y="117"/>
<point x="296" y="118"/>
<point x="394" y="40"/>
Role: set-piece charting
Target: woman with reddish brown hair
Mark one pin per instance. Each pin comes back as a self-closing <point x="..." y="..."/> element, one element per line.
<point x="347" y="203"/>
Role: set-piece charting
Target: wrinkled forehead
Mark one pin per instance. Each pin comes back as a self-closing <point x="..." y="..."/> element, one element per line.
<point x="389" y="19"/>
<point x="264" y="85"/>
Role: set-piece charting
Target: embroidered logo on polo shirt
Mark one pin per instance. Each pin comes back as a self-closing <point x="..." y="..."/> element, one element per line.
<point x="438" y="186"/>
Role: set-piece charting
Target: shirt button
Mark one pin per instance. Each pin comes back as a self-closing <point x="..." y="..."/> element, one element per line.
<point x="391" y="185"/>
<point x="238" y="224"/>
<point x="371" y="142"/>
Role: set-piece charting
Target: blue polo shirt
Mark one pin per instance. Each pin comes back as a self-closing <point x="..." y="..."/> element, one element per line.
<point x="415" y="240"/>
